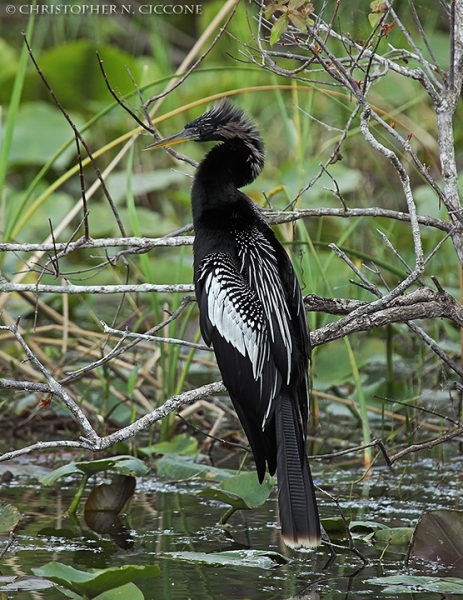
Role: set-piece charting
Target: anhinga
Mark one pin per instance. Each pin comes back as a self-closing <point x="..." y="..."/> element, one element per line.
<point x="251" y="312"/>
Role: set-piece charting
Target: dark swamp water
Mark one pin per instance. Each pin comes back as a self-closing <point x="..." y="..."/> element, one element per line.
<point x="167" y="520"/>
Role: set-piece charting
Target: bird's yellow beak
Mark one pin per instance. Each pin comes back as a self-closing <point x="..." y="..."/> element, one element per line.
<point x="173" y="140"/>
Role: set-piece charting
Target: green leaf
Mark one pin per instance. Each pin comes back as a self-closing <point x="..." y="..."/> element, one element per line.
<point x="409" y="583"/>
<point x="24" y="583"/>
<point x="29" y="146"/>
<point x="130" y="590"/>
<point x="370" y="525"/>
<point x="73" y="72"/>
<point x="218" y="495"/>
<point x="64" y="471"/>
<point x="125" y="465"/>
<point x="374" y="19"/>
<point x="247" y="487"/>
<point x="278" y="29"/>
<point x="181" y="444"/>
<point x="176" y="468"/>
<point x="333" y="525"/>
<point x="9" y="517"/>
<point x="236" y="558"/>
<point x="242" y="491"/>
<point x="394" y="535"/>
<point x="90" y="584"/>
<point x="439" y="537"/>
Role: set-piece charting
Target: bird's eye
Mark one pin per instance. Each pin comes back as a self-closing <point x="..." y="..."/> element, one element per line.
<point x="195" y="129"/>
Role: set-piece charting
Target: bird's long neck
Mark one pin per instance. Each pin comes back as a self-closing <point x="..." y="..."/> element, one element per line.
<point x="226" y="168"/>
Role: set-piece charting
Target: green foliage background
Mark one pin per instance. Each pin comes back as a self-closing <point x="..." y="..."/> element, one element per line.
<point x="41" y="186"/>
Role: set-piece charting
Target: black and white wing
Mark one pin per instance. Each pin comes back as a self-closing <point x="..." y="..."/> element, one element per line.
<point x="233" y="321"/>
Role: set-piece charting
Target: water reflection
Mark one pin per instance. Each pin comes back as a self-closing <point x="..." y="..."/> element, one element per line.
<point x="167" y="519"/>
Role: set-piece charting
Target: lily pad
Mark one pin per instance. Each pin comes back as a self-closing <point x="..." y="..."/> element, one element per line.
<point x="91" y="584"/>
<point x="394" y="535"/>
<point x="234" y="558"/>
<point x="182" y="444"/>
<point x="406" y="584"/>
<point x="130" y="590"/>
<point x="177" y="468"/>
<point x="125" y="465"/>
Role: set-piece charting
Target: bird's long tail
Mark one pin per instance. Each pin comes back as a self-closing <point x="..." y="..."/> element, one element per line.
<point x="300" y="523"/>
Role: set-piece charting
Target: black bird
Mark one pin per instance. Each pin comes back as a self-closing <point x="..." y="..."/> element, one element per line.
<point x="251" y="312"/>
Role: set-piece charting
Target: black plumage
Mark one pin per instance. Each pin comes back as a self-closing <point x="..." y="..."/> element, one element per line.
<point x="251" y="312"/>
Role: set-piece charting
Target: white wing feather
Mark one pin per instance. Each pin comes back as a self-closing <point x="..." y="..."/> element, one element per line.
<point x="235" y="310"/>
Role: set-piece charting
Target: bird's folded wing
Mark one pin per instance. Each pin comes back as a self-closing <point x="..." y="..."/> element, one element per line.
<point x="233" y="319"/>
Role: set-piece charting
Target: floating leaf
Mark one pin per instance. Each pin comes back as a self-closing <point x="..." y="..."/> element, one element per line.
<point x="125" y="465"/>
<point x="394" y="535"/>
<point x="247" y="487"/>
<point x="177" y="468"/>
<point x="237" y="558"/>
<point x="9" y="517"/>
<point x="130" y="590"/>
<point x="371" y="525"/>
<point x="90" y="584"/>
<point x="241" y="492"/>
<point x="182" y="444"/>
<point x="439" y="537"/>
<point x="25" y="583"/>
<point x="334" y="525"/>
<point x="401" y="584"/>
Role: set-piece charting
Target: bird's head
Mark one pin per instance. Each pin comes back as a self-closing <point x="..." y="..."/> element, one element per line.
<point x="224" y="122"/>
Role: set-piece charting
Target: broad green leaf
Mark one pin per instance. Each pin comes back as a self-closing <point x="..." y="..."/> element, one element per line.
<point x="30" y="146"/>
<point x="237" y="558"/>
<point x="247" y="487"/>
<point x="24" y="583"/>
<point x="73" y="72"/>
<point x="439" y="537"/>
<point x="278" y="29"/>
<point x="394" y="535"/>
<point x="334" y="524"/>
<point x="181" y="444"/>
<point x="371" y="525"/>
<point x="125" y="592"/>
<point x="218" y="495"/>
<point x="177" y="468"/>
<point x="409" y="583"/>
<point x="91" y="584"/>
<point x="125" y="465"/>
<point x="9" y="517"/>
<point x="63" y="471"/>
